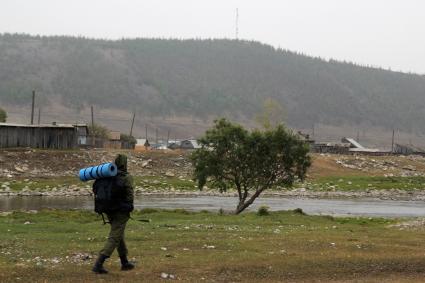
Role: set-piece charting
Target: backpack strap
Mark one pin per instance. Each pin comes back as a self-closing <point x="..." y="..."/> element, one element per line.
<point x="103" y="218"/>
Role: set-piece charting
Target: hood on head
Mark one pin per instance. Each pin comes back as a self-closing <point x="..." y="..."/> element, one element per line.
<point x="121" y="162"/>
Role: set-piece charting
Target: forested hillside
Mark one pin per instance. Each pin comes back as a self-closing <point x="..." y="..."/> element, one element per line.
<point x="206" y="78"/>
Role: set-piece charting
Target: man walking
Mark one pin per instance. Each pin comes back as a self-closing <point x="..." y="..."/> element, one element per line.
<point x="118" y="215"/>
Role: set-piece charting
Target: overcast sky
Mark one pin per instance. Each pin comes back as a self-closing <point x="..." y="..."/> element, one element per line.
<point x="387" y="33"/>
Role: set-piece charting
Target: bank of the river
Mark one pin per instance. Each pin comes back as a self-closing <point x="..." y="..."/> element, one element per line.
<point x="60" y="246"/>
<point x="333" y="207"/>
<point x="402" y="188"/>
<point x="75" y="190"/>
<point x="28" y="172"/>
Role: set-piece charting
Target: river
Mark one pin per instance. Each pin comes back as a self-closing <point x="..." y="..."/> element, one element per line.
<point x="335" y="207"/>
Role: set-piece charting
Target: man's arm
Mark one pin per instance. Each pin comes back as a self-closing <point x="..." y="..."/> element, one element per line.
<point x="129" y="189"/>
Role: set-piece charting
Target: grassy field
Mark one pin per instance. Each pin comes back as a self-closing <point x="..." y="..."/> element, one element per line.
<point x="359" y="183"/>
<point x="60" y="246"/>
<point x="51" y="183"/>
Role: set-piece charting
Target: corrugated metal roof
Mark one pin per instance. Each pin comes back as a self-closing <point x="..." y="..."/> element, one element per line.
<point x="367" y="150"/>
<point x="37" y="126"/>
<point x="193" y="142"/>
<point x="355" y="143"/>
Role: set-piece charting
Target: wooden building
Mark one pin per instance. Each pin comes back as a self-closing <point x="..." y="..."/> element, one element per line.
<point x="38" y="136"/>
<point x="83" y="133"/>
<point x="330" y="147"/>
<point x="408" y="149"/>
<point x="113" y="141"/>
<point x="357" y="148"/>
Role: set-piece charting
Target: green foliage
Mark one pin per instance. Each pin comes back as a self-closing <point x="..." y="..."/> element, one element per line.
<point x="251" y="162"/>
<point x="272" y="114"/>
<point x="299" y="211"/>
<point x="363" y="183"/>
<point x="263" y="211"/>
<point x="3" y="116"/>
<point x="148" y="210"/>
<point x="127" y="138"/>
<point x="98" y="131"/>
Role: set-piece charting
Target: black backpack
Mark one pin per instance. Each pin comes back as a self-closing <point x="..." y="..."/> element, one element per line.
<point x="104" y="196"/>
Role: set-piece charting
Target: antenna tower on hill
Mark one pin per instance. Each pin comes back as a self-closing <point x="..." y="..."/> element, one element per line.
<point x="237" y="24"/>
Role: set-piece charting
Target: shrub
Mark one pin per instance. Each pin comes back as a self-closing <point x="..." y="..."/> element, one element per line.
<point x="98" y="131"/>
<point x="148" y="210"/>
<point x="3" y="116"/>
<point x="127" y="138"/>
<point x="299" y="211"/>
<point x="263" y="210"/>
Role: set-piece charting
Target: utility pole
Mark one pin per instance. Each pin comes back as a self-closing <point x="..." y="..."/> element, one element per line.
<point x="132" y="123"/>
<point x="39" y="115"/>
<point x="392" y="142"/>
<point x="92" y="118"/>
<point x="92" y="128"/>
<point x="168" y="137"/>
<point x="156" y="135"/>
<point x="237" y="24"/>
<point x="313" y="131"/>
<point x="146" y="131"/>
<point x="358" y="136"/>
<point x="32" y="107"/>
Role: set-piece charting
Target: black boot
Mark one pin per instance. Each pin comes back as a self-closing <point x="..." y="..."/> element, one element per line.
<point x="125" y="264"/>
<point x="98" y="266"/>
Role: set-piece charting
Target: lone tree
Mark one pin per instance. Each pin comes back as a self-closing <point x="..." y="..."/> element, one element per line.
<point x="250" y="161"/>
<point x="98" y="131"/>
<point x="271" y="115"/>
<point x="130" y="139"/>
<point x="3" y="116"/>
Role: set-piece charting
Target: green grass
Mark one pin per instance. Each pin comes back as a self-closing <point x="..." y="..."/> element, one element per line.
<point x="281" y="246"/>
<point x="163" y="183"/>
<point x="147" y="182"/>
<point x="354" y="183"/>
<point x="44" y="184"/>
<point x="159" y="182"/>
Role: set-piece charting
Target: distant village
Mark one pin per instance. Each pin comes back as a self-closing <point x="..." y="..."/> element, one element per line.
<point x="69" y="136"/>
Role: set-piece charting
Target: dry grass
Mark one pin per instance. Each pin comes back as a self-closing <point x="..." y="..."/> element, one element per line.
<point x="326" y="166"/>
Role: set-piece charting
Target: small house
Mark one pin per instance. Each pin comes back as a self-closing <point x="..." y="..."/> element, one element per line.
<point x="48" y="136"/>
<point x="330" y="147"/>
<point x="82" y="134"/>
<point x="357" y="148"/>
<point x="174" y="145"/>
<point x="114" y="140"/>
<point x="408" y="149"/>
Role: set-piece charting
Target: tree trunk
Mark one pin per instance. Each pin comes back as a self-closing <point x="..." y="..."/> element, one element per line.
<point x="243" y="205"/>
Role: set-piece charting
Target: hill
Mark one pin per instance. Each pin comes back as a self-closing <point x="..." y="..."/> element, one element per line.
<point x="204" y="79"/>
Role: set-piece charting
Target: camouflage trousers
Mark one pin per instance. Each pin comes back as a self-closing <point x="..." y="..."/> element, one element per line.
<point x="115" y="240"/>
